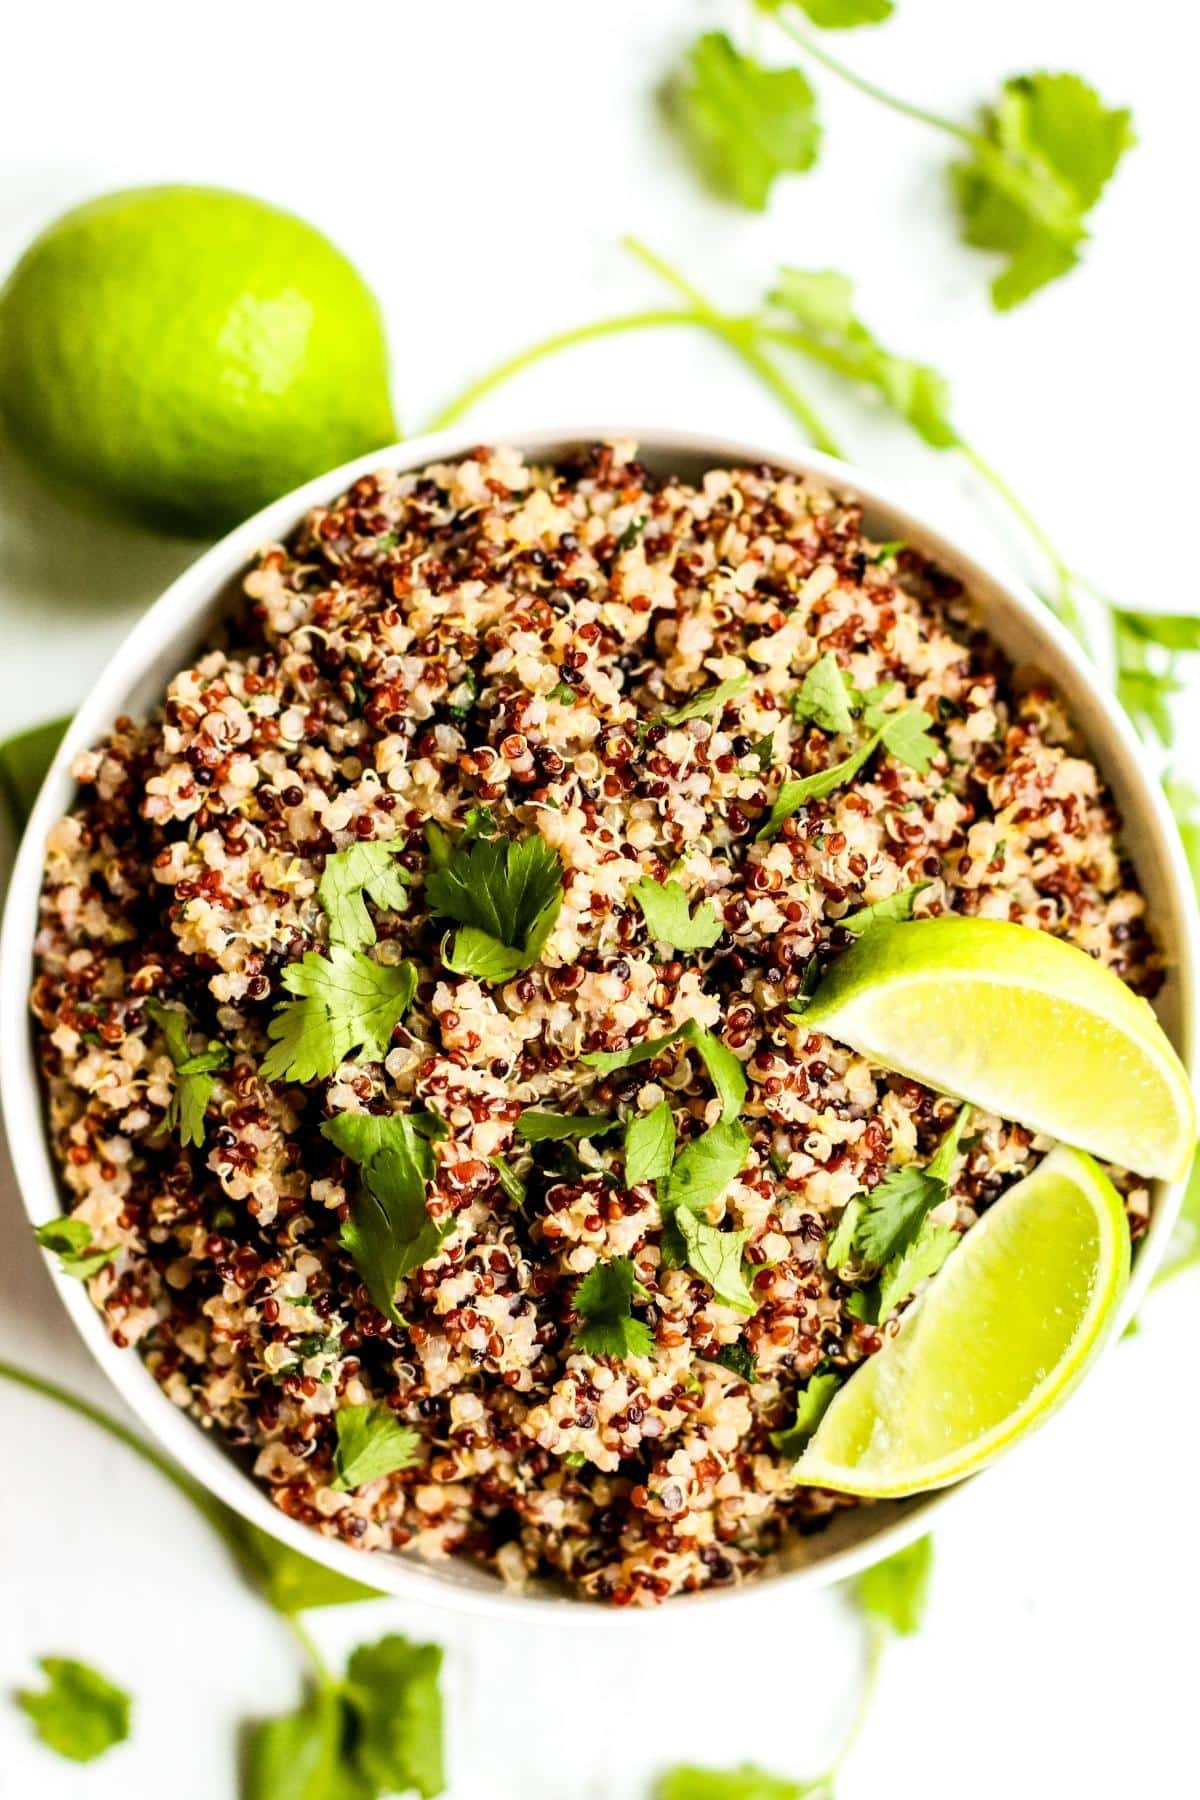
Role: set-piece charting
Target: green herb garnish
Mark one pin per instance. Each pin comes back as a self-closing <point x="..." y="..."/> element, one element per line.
<point x="812" y="1400"/>
<point x="604" y="1301"/>
<point x="708" y="700"/>
<point x="541" y="1127"/>
<point x="346" y="1002"/>
<point x="505" y="897"/>
<point x="389" y="1232"/>
<point x="69" y="1240"/>
<point x="194" y="1073"/>
<point x="745" y="124"/>
<point x="664" y="907"/>
<point x="650" y="1145"/>
<point x="371" y="1442"/>
<point x="348" y="875"/>
<point x="896" y="909"/>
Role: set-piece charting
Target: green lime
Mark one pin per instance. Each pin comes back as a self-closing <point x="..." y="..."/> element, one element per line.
<point x="996" y="1341"/>
<point x="179" y="356"/>
<point x="1019" y="1023"/>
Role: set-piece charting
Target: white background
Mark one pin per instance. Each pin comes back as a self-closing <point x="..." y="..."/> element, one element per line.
<point x="480" y="162"/>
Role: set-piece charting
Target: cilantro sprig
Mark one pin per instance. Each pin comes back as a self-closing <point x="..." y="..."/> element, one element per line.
<point x="604" y="1306"/>
<point x="889" y="1230"/>
<point x="71" y="1241"/>
<point x="664" y="906"/>
<point x="504" y="896"/>
<point x="811" y="1403"/>
<point x="725" y="1071"/>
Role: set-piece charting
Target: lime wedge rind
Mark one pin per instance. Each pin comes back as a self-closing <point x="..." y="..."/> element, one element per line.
<point x="1022" y="1024"/>
<point x="865" y="1445"/>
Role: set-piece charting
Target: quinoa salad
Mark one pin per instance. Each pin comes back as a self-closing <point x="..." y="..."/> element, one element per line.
<point x="420" y="1000"/>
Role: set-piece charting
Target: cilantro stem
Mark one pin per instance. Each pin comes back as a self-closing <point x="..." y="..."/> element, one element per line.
<point x="742" y="336"/>
<point x="321" y="1669"/>
<point x="1064" y="601"/>
<point x="877" y="1641"/>
<point x="212" y="1509"/>
<point x="853" y="79"/>
<point x="550" y="346"/>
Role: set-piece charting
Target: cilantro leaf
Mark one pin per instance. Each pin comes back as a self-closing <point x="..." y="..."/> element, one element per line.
<point x="665" y="909"/>
<point x="745" y="124"/>
<point x="724" y="1069"/>
<point x="822" y="697"/>
<point x="894" y="1212"/>
<point x="194" y="1074"/>
<point x="923" y="1258"/>
<point x="603" y="1302"/>
<point x="1047" y="148"/>
<point x="393" y="1689"/>
<point x="738" y="1360"/>
<point x="839" y="1245"/>
<point x="1146" y="684"/>
<point x="346" y="1003"/>
<point x="650" y="1145"/>
<point x="69" y="1239"/>
<point x="538" y="1127"/>
<point x="812" y="1401"/>
<point x="307" y="1754"/>
<point x="705" y="1167"/>
<point x="716" y="1256"/>
<point x="505" y="895"/>
<point x="762" y="753"/>
<point x="80" y="1713"/>
<point x="371" y="1441"/>
<point x="389" y="1232"/>
<point x="24" y="760"/>
<point x="608" y="1061"/>
<point x="795" y="794"/>
<point x="817" y="305"/>
<point x="708" y="700"/>
<point x="894" y="1591"/>
<point x="896" y="909"/>
<point x="905" y="735"/>
<point x="369" y="869"/>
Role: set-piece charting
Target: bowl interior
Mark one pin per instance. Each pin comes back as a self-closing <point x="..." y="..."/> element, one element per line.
<point x="179" y="623"/>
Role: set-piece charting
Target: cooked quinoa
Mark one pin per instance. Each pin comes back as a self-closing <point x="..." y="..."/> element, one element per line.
<point x="492" y="646"/>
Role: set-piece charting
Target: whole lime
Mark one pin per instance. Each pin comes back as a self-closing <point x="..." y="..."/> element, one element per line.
<point x="179" y="356"/>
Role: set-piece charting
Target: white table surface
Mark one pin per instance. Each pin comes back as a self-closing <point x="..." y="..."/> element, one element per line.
<point x="479" y="162"/>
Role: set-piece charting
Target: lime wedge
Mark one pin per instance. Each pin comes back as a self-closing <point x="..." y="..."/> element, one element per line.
<point x="1019" y="1023"/>
<point x="993" y="1345"/>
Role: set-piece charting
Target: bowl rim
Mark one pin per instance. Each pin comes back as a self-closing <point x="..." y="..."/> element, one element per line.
<point x="187" y="597"/>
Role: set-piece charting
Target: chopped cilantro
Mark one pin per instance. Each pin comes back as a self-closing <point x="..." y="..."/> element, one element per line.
<point x="536" y="1127"/>
<point x="737" y="1359"/>
<point x="80" y="1713"/>
<point x="650" y="1145"/>
<point x="369" y="869"/>
<point x="762" y="754"/>
<point x="823" y="698"/>
<point x="69" y="1240"/>
<point x="371" y="1441"/>
<point x="705" y="1167"/>
<point x="894" y="1212"/>
<point x="812" y="1400"/>
<point x="896" y="909"/>
<point x="716" y="1256"/>
<point x="839" y="1245"/>
<point x="664" y="907"/>
<point x="194" y="1073"/>
<point x="745" y="124"/>
<point x="505" y="897"/>
<point x="346" y="1002"/>
<point x="510" y="1181"/>
<point x="904" y="733"/>
<point x="632" y="532"/>
<point x="708" y="700"/>
<point x="723" y="1067"/>
<point x="922" y="1258"/>
<point x="389" y="1232"/>
<point x="603" y="1302"/>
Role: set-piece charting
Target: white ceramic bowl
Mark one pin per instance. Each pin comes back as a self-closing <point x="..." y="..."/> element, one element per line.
<point x="164" y="640"/>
